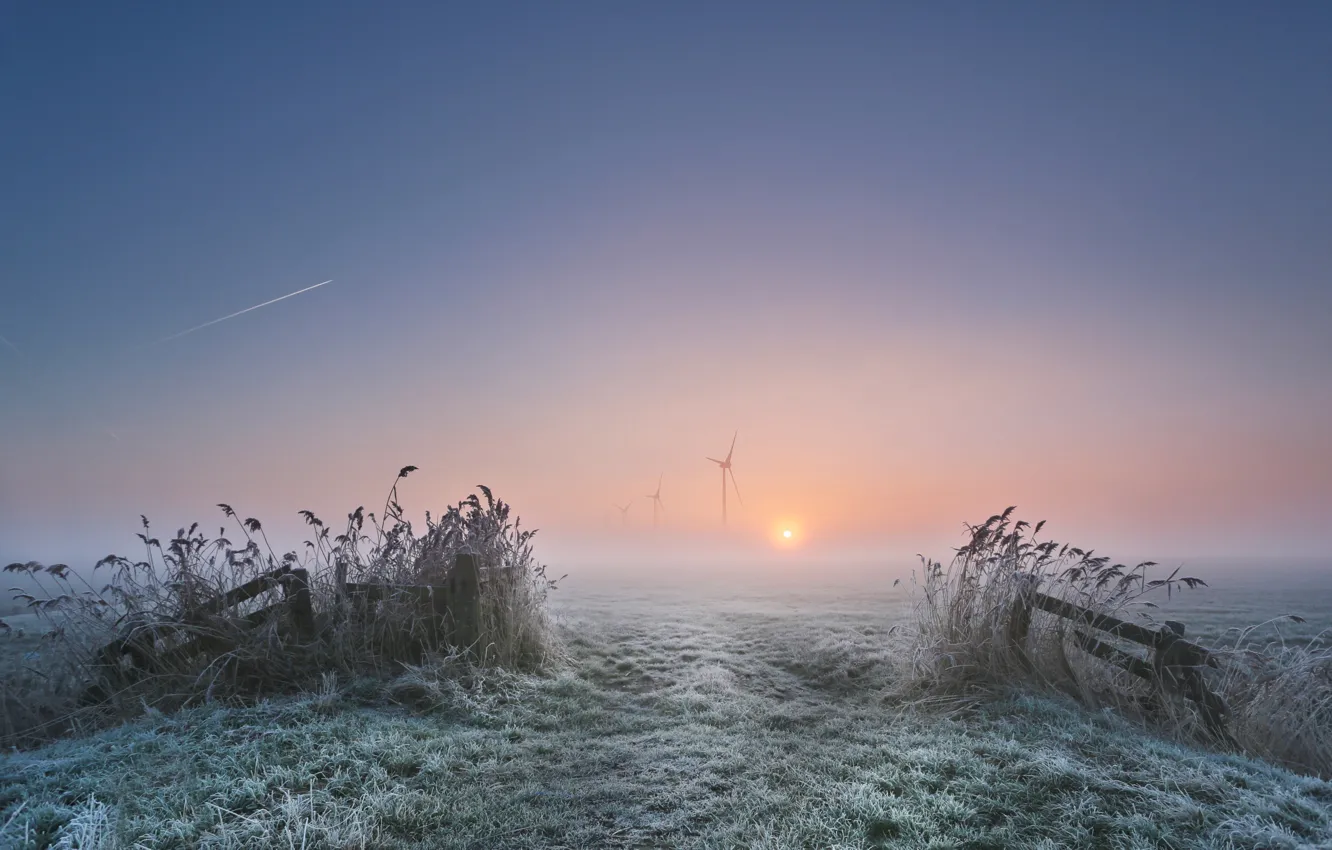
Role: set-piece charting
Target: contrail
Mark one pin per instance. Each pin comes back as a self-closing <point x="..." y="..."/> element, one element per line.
<point x="12" y="347"/>
<point x="237" y="313"/>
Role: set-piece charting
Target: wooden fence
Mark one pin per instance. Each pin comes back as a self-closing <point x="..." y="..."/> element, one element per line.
<point x="453" y="607"/>
<point x="1171" y="664"/>
<point x="207" y="628"/>
<point x="451" y="613"/>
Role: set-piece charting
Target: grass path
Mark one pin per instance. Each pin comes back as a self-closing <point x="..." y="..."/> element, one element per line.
<point x="725" y="724"/>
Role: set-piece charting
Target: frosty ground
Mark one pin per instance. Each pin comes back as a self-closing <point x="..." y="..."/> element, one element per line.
<point x="679" y="719"/>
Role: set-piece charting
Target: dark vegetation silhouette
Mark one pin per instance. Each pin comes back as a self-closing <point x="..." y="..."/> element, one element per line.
<point x="157" y="603"/>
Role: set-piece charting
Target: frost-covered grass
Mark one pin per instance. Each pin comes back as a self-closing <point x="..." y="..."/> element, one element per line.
<point x="677" y="722"/>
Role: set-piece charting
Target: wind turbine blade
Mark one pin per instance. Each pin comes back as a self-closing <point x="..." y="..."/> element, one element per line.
<point x="737" y="487"/>
<point x="732" y="451"/>
<point x="714" y="460"/>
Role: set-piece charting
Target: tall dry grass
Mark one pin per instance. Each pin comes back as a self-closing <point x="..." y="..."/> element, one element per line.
<point x="159" y="609"/>
<point x="1278" y="697"/>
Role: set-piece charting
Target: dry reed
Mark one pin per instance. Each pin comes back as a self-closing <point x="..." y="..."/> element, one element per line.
<point x="1279" y="697"/>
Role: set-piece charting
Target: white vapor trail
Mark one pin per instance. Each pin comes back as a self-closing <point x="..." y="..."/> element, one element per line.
<point x="237" y="313"/>
<point x="12" y="346"/>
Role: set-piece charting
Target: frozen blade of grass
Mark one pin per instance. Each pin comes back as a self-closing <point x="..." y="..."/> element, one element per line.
<point x="93" y="827"/>
<point x="9" y="822"/>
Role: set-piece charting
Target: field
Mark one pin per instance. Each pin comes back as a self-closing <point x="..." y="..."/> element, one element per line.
<point x="682" y="717"/>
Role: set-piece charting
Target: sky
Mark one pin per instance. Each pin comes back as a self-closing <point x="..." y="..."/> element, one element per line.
<point x="928" y="260"/>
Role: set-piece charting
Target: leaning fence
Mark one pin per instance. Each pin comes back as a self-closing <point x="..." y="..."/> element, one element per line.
<point x="1170" y="664"/>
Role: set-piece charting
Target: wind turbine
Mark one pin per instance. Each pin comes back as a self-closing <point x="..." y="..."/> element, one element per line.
<point x="624" y="513"/>
<point x="725" y="468"/>
<point x="656" y="501"/>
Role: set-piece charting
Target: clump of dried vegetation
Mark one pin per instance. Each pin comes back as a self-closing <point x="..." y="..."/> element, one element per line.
<point x="173" y="642"/>
<point x="1278" y="696"/>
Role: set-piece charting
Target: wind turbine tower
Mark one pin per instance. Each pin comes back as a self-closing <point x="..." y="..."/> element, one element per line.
<point x="656" y="501"/>
<point x="624" y="513"/>
<point x="726" y="470"/>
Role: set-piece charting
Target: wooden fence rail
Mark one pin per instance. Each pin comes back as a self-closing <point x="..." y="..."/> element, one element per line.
<point x="1172" y="664"/>
<point x="213" y="627"/>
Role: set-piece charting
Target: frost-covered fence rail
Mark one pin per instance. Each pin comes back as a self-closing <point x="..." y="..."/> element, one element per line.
<point x="452" y="609"/>
<point x="1171" y="663"/>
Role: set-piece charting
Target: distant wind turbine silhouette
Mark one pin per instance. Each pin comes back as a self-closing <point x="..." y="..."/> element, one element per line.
<point x="624" y="513"/>
<point x="656" y="501"/>
<point x="726" y="468"/>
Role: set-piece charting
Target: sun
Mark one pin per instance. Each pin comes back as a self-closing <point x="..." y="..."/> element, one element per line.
<point x="787" y="533"/>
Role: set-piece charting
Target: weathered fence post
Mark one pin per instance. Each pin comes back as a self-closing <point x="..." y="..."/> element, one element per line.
<point x="340" y="576"/>
<point x="1019" y="617"/>
<point x="464" y="592"/>
<point x="296" y="589"/>
<point x="1177" y="665"/>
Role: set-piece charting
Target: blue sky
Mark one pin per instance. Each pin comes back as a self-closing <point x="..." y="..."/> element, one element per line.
<point x="575" y="246"/>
